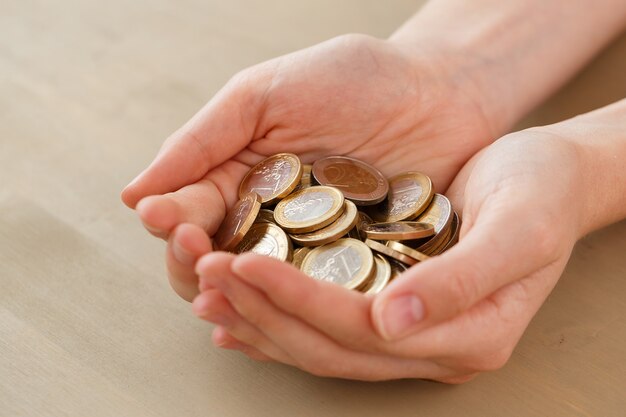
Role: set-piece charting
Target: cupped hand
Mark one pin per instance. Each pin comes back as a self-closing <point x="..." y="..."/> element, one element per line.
<point x="395" y="107"/>
<point x="445" y="319"/>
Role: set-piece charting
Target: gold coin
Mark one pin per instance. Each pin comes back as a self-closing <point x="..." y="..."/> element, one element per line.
<point x="266" y="239"/>
<point x="409" y="195"/>
<point x="398" y="230"/>
<point x="441" y="241"/>
<point x="307" y="179"/>
<point x="265" y="216"/>
<point x="386" y="250"/>
<point x="273" y="178"/>
<point x="346" y="262"/>
<point x="362" y="220"/>
<point x="299" y="255"/>
<point x="237" y="222"/>
<point x="346" y="221"/>
<point x="440" y="215"/>
<point x="397" y="268"/>
<point x="399" y="247"/>
<point x="309" y="209"/>
<point x="455" y="228"/>
<point x="381" y="278"/>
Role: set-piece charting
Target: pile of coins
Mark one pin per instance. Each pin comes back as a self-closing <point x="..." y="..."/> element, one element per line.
<point x="339" y="220"/>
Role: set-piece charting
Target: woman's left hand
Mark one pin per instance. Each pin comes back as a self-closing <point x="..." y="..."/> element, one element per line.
<point x="444" y="319"/>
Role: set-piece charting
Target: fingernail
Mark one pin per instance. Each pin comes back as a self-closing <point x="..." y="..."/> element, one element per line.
<point x="399" y="315"/>
<point x="182" y="255"/>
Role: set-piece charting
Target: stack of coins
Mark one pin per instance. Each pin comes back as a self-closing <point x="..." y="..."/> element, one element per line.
<point x="339" y="220"/>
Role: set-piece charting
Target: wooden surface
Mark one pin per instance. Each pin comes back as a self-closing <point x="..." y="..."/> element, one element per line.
<point x="88" y="324"/>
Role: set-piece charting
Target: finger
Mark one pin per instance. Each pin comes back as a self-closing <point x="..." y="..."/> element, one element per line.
<point x="212" y="306"/>
<point x="222" y="128"/>
<point x="499" y="249"/>
<point x="221" y="338"/>
<point x="483" y="337"/>
<point x="202" y="203"/>
<point x="348" y="322"/>
<point x="184" y="247"/>
<point x="312" y="351"/>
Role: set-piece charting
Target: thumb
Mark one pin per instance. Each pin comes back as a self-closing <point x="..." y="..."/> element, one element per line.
<point x="222" y="128"/>
<point x="495" y="252"/>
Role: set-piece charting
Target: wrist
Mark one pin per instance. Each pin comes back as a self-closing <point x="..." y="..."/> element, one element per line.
<point x="510" y="56"/>
<point x="599" y="138"/>
<point x="452" y="67"/>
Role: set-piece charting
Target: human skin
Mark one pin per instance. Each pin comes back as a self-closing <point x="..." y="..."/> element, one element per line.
<point x="443" y="87"/>
<point x="457" y="314"/>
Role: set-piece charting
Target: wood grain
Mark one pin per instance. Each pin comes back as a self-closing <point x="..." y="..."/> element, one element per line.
<point x="88" y="324"/>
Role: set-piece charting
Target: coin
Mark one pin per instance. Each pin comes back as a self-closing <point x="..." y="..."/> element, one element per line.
<point x="266" y="216"/>
<point x="306" y="181"/>
<point x="441" y="243"/>
<point x="386" y="250"/>
<point x="455" y="228"/>
<point x="381" y="278"/>
<point x="440" y="215"/>
<point x="346" y="262"/>
<point x="398" y="230"/>
<point x="237" y="222"/>
<point x="266" y="239"/>
<point x="309" y="209"/>
<point x="346" y="221"/>
<point x="399" y="247"/>
<point x="358" y="181"/>
<point x="273" y="178"/>
<point x="409" y="195"/>
<point x="362" y="220"/>
<point x="397" y="268"/>
<point x="299" y="255"/>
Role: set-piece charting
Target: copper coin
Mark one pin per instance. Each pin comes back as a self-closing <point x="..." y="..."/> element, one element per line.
<point x="266" y="239"/>
<point x="386" y="250"/>
<point x="409" y="195"/>
<point x="333" y="231"/>
<point x="309" y="209"/>
<point x="359" y="182"/>
<point x="398" y="230"/>
<point x="237" y="222"/>
<point x="273" y="178"/>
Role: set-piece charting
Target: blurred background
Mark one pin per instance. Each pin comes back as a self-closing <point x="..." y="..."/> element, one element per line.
<point x="88" y="325"/>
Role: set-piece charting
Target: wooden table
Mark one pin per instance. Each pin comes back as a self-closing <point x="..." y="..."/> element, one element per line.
<point x="88" y="324"/>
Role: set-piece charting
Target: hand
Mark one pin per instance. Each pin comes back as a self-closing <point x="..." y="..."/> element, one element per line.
<point x="444" y="319"/>
<point x="397" y="108"/>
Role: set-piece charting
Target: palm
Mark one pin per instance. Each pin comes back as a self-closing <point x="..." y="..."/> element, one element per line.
<point x="353" y="95"/>
<point x="480" y="295"/>
<point x="365" y="98"/>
